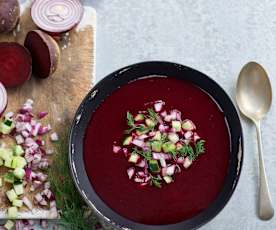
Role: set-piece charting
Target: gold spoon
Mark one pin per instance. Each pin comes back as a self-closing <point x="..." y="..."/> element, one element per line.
<point x="254" y="97"/>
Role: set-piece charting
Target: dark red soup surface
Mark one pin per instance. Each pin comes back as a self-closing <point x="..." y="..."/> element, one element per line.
<point x="193" y="190"/>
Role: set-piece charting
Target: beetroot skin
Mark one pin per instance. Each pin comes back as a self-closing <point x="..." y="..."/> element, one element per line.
<point x="44" y="51"/>
<point x="9" y="15"/>
<point x="15" y="64"/>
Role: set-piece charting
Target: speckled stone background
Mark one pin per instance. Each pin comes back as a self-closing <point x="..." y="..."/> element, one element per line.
<point x="215" y="37"/>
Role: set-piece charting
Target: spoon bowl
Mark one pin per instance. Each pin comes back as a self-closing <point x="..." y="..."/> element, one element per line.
<point x="254" y="93"/>
<point x="254" y="98"/>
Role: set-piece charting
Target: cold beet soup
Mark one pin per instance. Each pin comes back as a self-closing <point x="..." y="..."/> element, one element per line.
<point x="157" y="150"/>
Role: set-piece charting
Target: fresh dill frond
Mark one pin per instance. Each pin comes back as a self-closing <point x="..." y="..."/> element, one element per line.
<point x="155" y="181"/>
<point x="146" y="154"/>
<point x="75" y="214"/>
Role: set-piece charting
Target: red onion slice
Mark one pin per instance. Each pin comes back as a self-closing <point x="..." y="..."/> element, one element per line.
<point x="130" y="172"/>
<point x="57" y="16"/>
<point x="187" y="163"/>
<point x="3" y="98"/>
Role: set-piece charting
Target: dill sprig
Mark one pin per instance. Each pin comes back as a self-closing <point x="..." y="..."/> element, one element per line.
<point x="146" y="154"/>
<point x="187" y="150"/>
<point x="156" y="181"/>
<point x="75" y="214"/>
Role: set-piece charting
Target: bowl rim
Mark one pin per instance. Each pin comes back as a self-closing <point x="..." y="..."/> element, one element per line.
<point x="133" y="72"/>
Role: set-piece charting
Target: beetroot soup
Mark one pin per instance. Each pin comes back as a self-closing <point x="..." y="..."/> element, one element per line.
<point x="186" y="193"/>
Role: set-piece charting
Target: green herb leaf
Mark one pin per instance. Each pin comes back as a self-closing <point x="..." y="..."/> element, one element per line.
<point x="155" y="181"/>
<point x="130" y="119"/>
<point x="187" y="150"/>
<point x="199" y="147"/>
<point x="153" y="115"/>
<point x="74" y="212"/>
<point x="146" y="154"/>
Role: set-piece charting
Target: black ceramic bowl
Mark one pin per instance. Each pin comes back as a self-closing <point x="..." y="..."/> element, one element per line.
<point x="121" y="77"/>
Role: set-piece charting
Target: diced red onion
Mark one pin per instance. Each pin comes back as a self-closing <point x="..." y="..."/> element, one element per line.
<point x="41" y="176"/>
<point x="180" y="160"/>
<point x="116" y="148"/>
<point x="163" y="128"/>
<point x="27" y="203"/>
<point x="144" y="184"/>
<point x="47" y="185"/>
<point x="138" y="143"/>
<point x="196" y="137"/>
<point x="187" y="163"/>
<point x="170" y="170"/>
<point x="41" y="115"/>
<point x="147" y="179"/>
<point x="141" y="174"/>
<point x="35" y="129"/>
<point x="158" y="106"/>
<point x="141" y="164"/>
<point x="138" y="180"/>
<point x="54" y="137"/>
<point x="38" y="197"/>
<point x="164" y="114"/>
<point x="44" y="164"/>
<point x="152" y="133"/>
<point x="130" y="172"/>
<point x="25" y="133"/>
<point x="188" y="135"/>
<point x="177" y="168"/>
<point x="28" y="173"/>
<point x="19" y="139"/>
<point x="173" y="114"/>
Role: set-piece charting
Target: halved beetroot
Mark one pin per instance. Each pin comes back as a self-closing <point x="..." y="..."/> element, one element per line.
<point x="45" y="53"/>
<point x="15" y="64"/>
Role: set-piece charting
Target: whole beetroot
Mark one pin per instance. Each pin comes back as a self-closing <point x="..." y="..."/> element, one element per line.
<point x="9" y="15"/>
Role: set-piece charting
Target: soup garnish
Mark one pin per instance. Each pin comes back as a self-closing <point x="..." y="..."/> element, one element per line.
<point x="158" y="145"/>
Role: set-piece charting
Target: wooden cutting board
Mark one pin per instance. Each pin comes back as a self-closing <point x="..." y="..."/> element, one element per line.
<point x="61" y="93"/>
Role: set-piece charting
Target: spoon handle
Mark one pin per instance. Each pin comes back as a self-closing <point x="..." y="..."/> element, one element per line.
<point x="266" y="210"/>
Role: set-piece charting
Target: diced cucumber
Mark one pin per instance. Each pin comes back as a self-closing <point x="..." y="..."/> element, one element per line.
<point x="188" y="125"/>
<point x="176" y="125"/>
<point x="127" y="140"/>
<point x="19" y="189"/>
<point x="6" y="153"/>
<point x="139" y="117"/>
<point x="168" y="147"/>
<point x="134" y="157"/>
<point x="19" y="173"/>
<point x="18" y="150"/>
<point x="11" y="195"/>
<point x="156" y="146"/>
<point x="1" y="182"/>
<point x="8" y="163"/>
<point x="154" y="166"/>
<point x="157" y="136"/>
<point x="6" y="127"/>
<point x="150" y="123"/>
<point x="173" y="137"/>
<point x="1" y="162"/>
<point x="9" y="225"/>
<point x="9" y="177"/>
<point x="18" y="162"/>
<point x="17" y="203"/>
<point x="168" y="179"/>
<point x="12" y="212"/>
